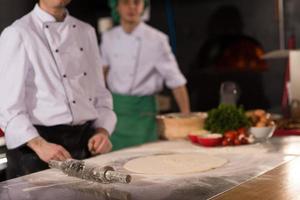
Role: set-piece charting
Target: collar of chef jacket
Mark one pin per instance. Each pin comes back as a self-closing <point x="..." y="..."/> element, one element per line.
<point x="45" y="17"/>
<point x="138" y="32"/>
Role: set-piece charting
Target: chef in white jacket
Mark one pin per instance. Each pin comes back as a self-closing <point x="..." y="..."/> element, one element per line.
<point x="54" y="102"/>
<point x="138" y="62"/>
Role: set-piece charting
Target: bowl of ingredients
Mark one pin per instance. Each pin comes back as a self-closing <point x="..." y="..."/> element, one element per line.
<point x="262" y="124"/>
<point x="210" y="140"/>
<point x="193" y="136"/>
<point x="262" y="133"/>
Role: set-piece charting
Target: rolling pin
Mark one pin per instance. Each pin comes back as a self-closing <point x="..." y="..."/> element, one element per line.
<point x="80" y="169"/>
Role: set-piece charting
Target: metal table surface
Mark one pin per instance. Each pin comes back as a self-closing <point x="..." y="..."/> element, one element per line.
<point x="245" y="162"/>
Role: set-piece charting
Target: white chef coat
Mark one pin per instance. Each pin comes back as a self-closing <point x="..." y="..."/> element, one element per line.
<point x="139" y="63"/>
<point x="50" y="74"/>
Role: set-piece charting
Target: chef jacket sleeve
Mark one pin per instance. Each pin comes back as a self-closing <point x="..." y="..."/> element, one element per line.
<point x="103" y="102"/>
<point x="167" y="65"/>
<point x="14" y="65"/>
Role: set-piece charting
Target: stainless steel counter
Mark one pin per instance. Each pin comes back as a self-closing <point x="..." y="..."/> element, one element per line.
<point x="245" y="162"/>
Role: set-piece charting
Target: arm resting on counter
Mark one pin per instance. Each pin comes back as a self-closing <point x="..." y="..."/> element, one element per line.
<point x="48" y="151"/>
<point x="182" y="99"/>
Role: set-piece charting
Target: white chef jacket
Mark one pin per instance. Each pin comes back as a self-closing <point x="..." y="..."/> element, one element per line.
<point x="139" y="63"/>
<point x="50" y="74"/>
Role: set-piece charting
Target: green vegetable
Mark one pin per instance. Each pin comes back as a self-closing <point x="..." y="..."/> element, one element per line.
<point x="226" y="118"/>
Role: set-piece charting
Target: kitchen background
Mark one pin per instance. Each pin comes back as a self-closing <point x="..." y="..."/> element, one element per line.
<point x="192" y="23"/>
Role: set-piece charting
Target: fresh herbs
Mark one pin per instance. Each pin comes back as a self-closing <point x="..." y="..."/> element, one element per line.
<point x="225" y="118"/>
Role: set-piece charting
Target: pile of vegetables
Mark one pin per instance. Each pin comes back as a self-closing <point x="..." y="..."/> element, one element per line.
<point x="231" y="122"/>
<point x="260" y="118"/>
<point x="226" y="118"/>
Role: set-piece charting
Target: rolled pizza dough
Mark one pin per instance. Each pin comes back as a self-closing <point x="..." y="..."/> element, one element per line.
<point x="174" y="164"/>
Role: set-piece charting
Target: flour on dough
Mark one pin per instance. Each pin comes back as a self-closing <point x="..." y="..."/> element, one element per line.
<point x="174" y="164"/>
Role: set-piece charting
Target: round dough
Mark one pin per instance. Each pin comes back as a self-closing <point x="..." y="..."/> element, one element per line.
<point x="174" y="164"/>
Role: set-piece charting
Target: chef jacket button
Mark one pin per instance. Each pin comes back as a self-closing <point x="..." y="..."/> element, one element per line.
<point x="90" y="99"/>
<point x="84" y="73"/>
<point x="74" y="26"/>
<point x="81" y="49"/>
<point x="56" y="50"/>
<point x="47" y="26"/>
<point x="65" y="76"/>
<point x="74" y="102"/>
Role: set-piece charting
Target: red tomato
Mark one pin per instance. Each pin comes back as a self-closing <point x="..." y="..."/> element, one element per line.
<point x="230" y="141"/>
<point x="244" y="140"/>
<point x="237" y="142"/>
<point x="241" y="130"/>
<point x="224" y="142"/>
<point x="232" y="135"/>
<point x="243" y="135"/>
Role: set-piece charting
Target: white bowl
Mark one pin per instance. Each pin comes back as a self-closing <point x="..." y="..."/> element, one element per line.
<point x="262" y="133"/>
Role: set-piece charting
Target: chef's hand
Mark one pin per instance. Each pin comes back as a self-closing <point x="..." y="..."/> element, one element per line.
<point x="100" y="143"/>
<point x="48" y="151"/>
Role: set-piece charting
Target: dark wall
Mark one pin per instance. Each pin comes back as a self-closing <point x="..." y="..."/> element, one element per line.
<point x="191" y="17"/>
<point x="293" y="19"/>
<point x="88" y="11"/>
<point x="260" y="22"/>
<point x="10" y="10"/>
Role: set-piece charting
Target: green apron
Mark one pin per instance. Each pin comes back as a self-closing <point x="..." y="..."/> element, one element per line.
<point x="136" y="121"/>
